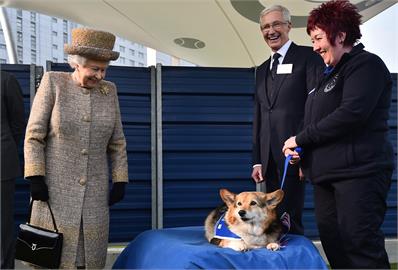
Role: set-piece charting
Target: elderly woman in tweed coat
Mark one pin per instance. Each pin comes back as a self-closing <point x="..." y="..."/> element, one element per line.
<point x="73" y="128"/>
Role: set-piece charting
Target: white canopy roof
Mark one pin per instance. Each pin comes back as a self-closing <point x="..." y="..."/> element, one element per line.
<point x="205" y="32"/>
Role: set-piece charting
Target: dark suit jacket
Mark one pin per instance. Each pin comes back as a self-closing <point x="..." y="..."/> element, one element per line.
<point x="12" y="125"/>
<point x="277" y="119"/>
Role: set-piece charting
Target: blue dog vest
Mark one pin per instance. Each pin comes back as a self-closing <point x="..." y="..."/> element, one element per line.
<point x="221" y="230"/>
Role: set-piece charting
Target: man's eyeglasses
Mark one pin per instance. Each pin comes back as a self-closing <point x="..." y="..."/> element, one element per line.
<point x="275" y="25"/>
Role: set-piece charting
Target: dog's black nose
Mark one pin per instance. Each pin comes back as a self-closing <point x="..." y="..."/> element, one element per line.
<point x="242" y="213"/>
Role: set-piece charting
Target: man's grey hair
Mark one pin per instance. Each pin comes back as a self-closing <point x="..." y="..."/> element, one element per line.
<point x="74" y="60"/>
<point x="285" y="12"/>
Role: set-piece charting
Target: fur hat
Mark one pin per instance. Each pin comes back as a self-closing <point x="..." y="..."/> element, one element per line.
<point x="92" y="44"/>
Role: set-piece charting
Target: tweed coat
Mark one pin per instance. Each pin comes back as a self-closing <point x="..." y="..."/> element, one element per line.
<point x="70" y="134"/>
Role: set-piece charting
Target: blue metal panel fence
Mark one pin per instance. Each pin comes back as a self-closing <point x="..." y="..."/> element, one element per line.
<point x="207" y="115"/>
<point x="207" y="131"/>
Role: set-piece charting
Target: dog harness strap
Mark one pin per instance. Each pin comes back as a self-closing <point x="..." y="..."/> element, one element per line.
<point x="288" y="158"/>
<point x="221" y="230"/>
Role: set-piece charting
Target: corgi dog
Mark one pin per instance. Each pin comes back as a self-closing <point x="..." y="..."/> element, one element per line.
<point x="250" y="219"/>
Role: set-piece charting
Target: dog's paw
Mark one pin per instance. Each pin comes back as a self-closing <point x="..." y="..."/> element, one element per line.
<point x="273" y="246"/>
<point x="238" y="245"/>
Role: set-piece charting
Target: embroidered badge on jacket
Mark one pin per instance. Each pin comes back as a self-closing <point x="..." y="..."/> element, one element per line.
<point x="333" y="81"/>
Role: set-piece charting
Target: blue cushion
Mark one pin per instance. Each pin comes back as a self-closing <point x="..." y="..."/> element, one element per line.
<point x="187" y="248"/>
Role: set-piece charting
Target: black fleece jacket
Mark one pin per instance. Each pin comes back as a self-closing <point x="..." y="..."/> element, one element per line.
<point x="345" y="131"/>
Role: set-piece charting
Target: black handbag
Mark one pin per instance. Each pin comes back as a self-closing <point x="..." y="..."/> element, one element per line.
<point x="37" y="245"/>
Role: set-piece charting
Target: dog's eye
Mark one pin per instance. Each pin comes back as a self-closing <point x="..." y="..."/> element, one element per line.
<point x="239" y="203"/>
<point x="253" y="203"/>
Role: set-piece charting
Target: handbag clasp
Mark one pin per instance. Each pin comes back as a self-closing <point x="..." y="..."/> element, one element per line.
<point x="34" y="246"/>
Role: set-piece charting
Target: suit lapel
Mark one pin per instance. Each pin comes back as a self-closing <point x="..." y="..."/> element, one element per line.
<point x="280" y="78"/>
<point x="263" y="81"/>
<point x="267" y="70"/>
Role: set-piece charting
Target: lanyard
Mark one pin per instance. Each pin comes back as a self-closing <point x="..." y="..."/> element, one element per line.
<point x="288" y="158"/>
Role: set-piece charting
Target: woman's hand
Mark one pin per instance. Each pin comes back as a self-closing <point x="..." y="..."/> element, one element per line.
<point x="290" y="144"/>
<point x="38" y="188"/>
<point x="288" y="149"/>
<point x="117" y="193"/>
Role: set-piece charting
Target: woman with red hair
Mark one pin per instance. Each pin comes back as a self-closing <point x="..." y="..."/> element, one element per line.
<point x="346" y="151"/>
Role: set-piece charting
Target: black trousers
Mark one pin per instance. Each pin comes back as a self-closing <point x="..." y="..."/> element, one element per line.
<point x="7" y="224"/>
<point x="349" y="215"/>
<point x="294" y="189"/>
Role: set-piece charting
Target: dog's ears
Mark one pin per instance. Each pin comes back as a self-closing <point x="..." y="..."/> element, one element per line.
<point x="274" y="198"/>
<point x="227" y="196"/>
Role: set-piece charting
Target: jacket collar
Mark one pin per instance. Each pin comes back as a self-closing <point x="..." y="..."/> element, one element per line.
<point x="346" y="57"/>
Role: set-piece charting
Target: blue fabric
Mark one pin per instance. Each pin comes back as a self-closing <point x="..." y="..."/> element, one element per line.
<point x="328" y="70"/>
<point x="221" y="230"/>
<point x="187" y="248"/>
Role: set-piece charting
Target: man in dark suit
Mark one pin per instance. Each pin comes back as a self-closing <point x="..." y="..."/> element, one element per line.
<point x="282" y="85"/>
<point x="12" y="128"/>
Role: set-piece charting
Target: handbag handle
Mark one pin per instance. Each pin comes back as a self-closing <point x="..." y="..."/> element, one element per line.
<point x="51" y="212"/>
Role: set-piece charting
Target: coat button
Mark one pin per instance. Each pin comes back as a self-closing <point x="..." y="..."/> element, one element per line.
<point x="86" y="118"/>
<point x="82" y="181"/>
<point x="84" y="152"/>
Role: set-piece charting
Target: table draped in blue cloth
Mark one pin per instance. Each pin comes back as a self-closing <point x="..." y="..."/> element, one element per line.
<point x="187" y="248"/>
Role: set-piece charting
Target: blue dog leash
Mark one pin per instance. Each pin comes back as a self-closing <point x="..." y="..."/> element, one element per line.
<point x="285" y="218"/>
<point x="288" y="158"/>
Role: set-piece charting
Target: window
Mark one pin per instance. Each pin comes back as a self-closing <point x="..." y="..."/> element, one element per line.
<point x="3" y="46"/>
<point x="141" y="64"/>
<point x="65" y="38"/>
<point x="122" y="60"/>
<point x="55" y="60"/>
<point x="132" y="63"/>
<point x="19" y="24"/>
<point x="33" y="42"/>
<point x="122" y="48"/>
<point x="33" y="56"/>
<point x="20" y="54"/>
<point x="65" y="59"/>
<point x="19" y="37"/>
<point x="132" y="52"/>
<point x="54" y="20"/>
<point x="33" y="27"/>
<point x="55" y="47"/>
<point x="33" y="16"/>
<point x="3" y="61"/>
<point x="65" y="25"/>
<point x="141" y="55"/>
<point x="55" y="33"/>
<point x="19" y="12"/>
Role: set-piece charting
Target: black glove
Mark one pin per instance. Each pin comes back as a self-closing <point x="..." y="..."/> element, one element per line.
<point x="38" y="188"/>
<point x="117" y="193"/>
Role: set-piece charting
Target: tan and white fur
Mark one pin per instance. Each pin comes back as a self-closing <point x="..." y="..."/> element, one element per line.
<point x="250" y="215"/>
